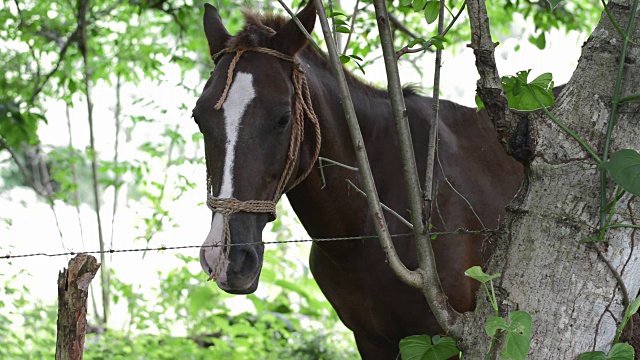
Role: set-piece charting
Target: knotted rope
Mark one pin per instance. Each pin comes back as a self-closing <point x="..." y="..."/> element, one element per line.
<point x="302" y="107"/>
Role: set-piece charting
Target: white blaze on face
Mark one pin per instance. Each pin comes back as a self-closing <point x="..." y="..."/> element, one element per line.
<point x="240" y="95"/>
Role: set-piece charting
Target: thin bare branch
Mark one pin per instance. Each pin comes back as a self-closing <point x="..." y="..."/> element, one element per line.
<point x="116" y="152"/>
<point x="385" y="207"/>
<point x="446" y="316"/>
<point x="304" y="31"/>
<point x="411" y="278"/>
<point x="74" y="177"/>
<point x="83" y="7"/>
<point x="446" y="179"/>
<point x="71" y="39"/>
<point x="63" y="51"/>
<point x="398" y="24"/>
<point x="427" y="45"/>
<point x="107" y="11"/>
<point x="454" y="20"/>
<point x="40" y="191"/>
<point x="46" y="182"/>
<point x="336" y="35"/>
<point x="353" y="23"/>
<point x="429" y="190"/>
<point x="320" y="158"/>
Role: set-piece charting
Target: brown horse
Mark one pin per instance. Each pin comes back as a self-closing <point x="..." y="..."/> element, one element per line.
<point x="250" y="115"/>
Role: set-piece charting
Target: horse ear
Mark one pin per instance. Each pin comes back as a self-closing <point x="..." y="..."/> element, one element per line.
<point x="215" y="31"/>
<point x="289" y="39"/>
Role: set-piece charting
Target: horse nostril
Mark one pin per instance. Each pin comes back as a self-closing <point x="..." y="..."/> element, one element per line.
<point x="244" y="262"/>
<point x="204" y="264"/>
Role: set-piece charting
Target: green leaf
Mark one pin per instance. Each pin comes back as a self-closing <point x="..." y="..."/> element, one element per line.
<point x="440" y="37"/>
<point x="493" y="324"/>
<point x="554" y="3"/>
<point x="633" y="307"/>
<point x="421" y="347"/>
<point x="479" y="103"/>
<point x="339" y="22"/>
<point x="624" y="168"/>
<point x="415" y="42"/>
<point x="545" y="80"/>
<point x="621" y="351"/>
<point x="629" y="312"/>
<point x="337" y="13"/>
<point x="418" y="5"/>
<point x="72" y="86"/>
<point x="477" y="274"/>
<point x="343" y="29"/>
<point x="437" y="43"/>
<point x="518" y="336"/>
<point x="540" y="88"/>
<point x="539" y="41"/>
<point x="344" y="59"/>
<point x="593" y="355"/>
<point x="431" y="11"/>
<point x="405" y="2"/>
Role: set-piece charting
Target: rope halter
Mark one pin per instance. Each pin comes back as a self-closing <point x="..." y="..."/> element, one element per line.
<point x="302" y="107"/>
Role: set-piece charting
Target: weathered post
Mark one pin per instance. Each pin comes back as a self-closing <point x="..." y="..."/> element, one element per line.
<point x="72" y="306"/>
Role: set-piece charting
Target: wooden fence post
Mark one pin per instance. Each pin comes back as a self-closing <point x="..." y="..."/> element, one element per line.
<point x="72" y="306"/>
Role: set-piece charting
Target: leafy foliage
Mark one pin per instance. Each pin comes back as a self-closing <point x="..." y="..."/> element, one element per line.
<point x="523" y="95"/>
<point x="293" y="323"/>
<point x="518" y="336"/>
<point x="518" y="331"/>
<point x="35" y="337"/>
<point x="423" y="347"/>
<point x="624" y="168"/>
<point x="476" y="273"/>
<point x="618" y="352"/>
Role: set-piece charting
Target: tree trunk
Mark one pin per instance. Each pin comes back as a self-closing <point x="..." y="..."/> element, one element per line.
<point x="571" y="294"/>
<point x="72" y="306"/>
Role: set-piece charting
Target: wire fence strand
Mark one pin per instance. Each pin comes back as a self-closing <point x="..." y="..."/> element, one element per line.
<point x="276" y="242"/>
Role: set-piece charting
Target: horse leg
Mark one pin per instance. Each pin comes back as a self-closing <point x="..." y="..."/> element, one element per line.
<point x="376" y="350"/>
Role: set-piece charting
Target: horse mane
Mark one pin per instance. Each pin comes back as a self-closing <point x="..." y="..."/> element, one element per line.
<point x="259" y="28"/>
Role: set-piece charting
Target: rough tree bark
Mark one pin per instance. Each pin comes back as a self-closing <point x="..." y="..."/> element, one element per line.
<point x="572" y="296"/>
<point x="72" y="306"/>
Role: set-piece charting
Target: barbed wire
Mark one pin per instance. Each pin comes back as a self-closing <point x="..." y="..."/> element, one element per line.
<point x="276" y="242"/>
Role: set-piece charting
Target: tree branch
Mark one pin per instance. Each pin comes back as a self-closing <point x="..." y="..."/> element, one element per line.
<point x="63" y="51"/>
<point x="431" y="288"/>
<point x="411" y="278"/>
<point x="22" y="169"/>
<point x="83" y="6"/>
<point x="303" y="30"/>
<point x="72" y="38"/>
<point x="353" y="23"/>
<point x="385" y="207"/>
<point x="514" y="132"/>
<point x="429" y="190"/>
<point x="427" y="45"/>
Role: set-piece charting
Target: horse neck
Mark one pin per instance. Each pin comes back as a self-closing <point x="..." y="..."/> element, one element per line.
<point x="371" y="106"/>
<point x="312" y="200"/>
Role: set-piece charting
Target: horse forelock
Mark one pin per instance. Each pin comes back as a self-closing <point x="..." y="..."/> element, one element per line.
<point x="257" y="30"/>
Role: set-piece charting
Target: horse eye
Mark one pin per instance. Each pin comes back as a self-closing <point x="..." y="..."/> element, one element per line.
<point x="283" y="121"/>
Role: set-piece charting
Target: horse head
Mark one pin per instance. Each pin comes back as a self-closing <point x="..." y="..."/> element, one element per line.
<point x="252" y="113"/>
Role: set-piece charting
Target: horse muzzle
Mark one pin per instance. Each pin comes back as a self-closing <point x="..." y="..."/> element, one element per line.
<point x="235" y="267"/>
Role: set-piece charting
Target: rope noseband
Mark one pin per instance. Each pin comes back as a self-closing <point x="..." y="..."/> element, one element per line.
<point x="302" y="107"/>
